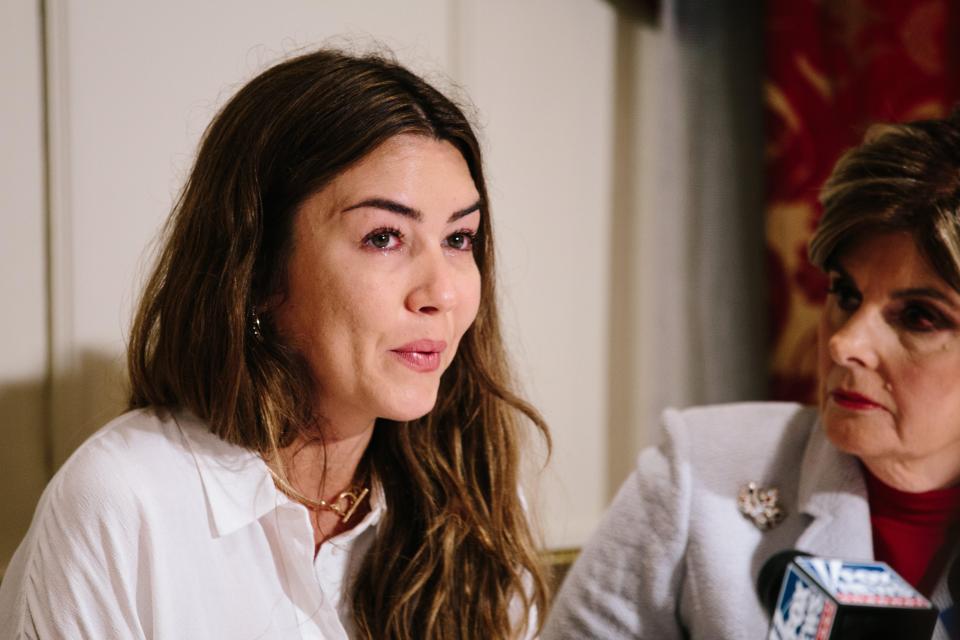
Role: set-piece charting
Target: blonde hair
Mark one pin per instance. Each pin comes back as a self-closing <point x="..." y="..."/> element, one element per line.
<point x="903" y="177"/>
<point x="454" y="554"/>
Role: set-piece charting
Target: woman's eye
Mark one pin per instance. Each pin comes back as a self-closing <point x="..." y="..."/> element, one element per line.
<point x="848" y="298"/>
<point x="383" y="239"/>
<point x="917" y="317"/>
<point x="461" y="240"/>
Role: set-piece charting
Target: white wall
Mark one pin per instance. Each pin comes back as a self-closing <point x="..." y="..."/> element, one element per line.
<point x="131" y="86"/>
<point x="23" y="298"/>
<point x="545" y="93"/>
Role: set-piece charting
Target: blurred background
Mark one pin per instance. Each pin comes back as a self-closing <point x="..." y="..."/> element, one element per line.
<point x="653" y="169"/>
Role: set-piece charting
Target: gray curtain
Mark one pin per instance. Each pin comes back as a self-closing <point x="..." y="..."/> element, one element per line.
<point x="688" y="301"/>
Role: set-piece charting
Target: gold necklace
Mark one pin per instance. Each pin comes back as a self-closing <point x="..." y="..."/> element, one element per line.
<point x="344" y="505"/>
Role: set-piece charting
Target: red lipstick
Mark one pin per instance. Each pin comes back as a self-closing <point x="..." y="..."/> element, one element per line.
<point x="853" y="400"/>
<point x="421" y="355"/>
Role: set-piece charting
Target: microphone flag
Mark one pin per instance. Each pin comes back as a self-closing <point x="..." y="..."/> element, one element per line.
<point x="823" y="599"/>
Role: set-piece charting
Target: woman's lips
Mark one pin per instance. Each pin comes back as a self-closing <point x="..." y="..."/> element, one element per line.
<point x="421" y="355"/>
<point x="853" y="400"/>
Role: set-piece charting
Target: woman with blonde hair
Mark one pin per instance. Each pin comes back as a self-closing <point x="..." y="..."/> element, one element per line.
<point x="322" y="439"/>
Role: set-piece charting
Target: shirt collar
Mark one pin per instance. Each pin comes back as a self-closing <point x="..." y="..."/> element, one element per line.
<point x="236" y="483"/>
<point x="238" y="486"/>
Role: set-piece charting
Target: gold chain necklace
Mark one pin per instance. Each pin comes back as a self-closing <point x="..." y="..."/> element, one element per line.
<point x="344" y="505"/>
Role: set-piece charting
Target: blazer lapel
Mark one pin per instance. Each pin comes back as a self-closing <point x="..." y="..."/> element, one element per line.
<point x="832" y="492"/>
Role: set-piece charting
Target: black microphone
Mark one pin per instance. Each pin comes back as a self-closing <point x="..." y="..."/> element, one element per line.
<point x="810" y="598"/>
<point x="950" y="617"/>
<point x="953" y="581"/>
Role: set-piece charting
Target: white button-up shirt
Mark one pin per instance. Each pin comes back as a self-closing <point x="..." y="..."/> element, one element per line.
<point x="156" y="528"/>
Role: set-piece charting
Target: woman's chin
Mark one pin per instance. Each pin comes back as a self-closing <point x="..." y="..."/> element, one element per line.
<point x="410" y="408"/>
<point x="857" y="435"/>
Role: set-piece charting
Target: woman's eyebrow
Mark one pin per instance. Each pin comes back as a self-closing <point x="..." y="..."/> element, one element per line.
<point x="464" y="212"/>
<point x="911" y="292"/>
<point x="401" y="209"/>
<point x="834" y="265"/>
<point x="924" y="292"/>
<point x="387" y="205"/>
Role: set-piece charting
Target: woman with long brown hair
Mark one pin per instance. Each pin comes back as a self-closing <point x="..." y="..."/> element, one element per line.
<point x="322" y="438"/>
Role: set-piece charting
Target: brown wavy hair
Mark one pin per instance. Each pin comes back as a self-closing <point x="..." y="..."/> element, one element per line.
<point x="454" y="556"/>
<point x="903" y="177"/>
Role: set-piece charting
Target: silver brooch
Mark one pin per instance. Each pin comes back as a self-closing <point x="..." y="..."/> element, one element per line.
<point x="761" y="505"/>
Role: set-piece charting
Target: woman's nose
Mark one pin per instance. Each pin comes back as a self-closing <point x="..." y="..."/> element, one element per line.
<point x="855" y="341"/>
<point x="434" y="287"/>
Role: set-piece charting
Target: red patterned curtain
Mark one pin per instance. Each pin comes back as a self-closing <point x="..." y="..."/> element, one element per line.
<point x="833" y="68"/>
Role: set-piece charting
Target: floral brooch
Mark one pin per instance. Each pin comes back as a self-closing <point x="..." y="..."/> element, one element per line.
<point x="760" y="505"/>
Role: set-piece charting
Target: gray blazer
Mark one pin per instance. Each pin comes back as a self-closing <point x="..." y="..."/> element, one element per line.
<point x="674" y="558"/>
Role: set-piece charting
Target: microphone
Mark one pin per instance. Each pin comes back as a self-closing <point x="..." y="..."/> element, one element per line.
<point x="950" y="617"/>
<point x="810" y="598"/>
<point x="953" y="580"/>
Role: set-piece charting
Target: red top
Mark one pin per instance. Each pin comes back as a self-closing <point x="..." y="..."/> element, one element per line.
<point x="909" y="529"/>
